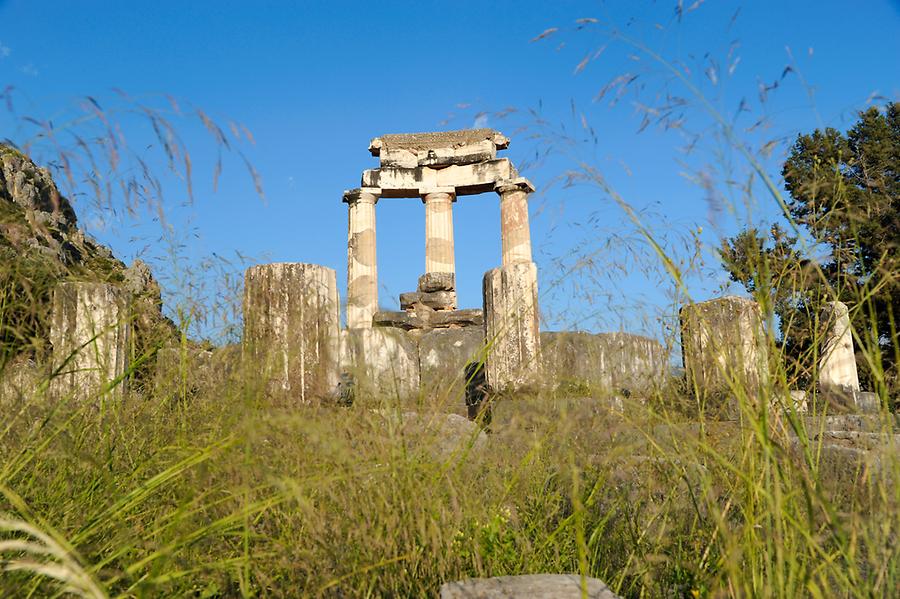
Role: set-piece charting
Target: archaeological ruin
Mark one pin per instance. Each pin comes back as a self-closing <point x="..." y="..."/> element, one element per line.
<point x="293" y="341"/>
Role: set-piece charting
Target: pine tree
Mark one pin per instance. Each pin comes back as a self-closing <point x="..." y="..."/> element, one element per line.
<point x="845" y="198"/>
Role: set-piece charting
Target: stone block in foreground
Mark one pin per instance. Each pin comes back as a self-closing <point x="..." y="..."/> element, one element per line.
<point x="90" y="332"/>
<point x="530" y="586"/>
<point x="724" y="347"/>
<point x="291" y="330"/>
<point x="511" y="325"/>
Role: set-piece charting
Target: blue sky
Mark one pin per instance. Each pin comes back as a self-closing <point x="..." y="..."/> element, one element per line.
<point x="314" y="82"/>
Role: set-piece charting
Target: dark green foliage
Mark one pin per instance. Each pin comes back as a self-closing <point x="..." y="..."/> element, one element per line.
<point x="845" y="198"/>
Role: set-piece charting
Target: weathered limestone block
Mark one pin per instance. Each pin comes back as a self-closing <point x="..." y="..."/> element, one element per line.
<point x="470" y="317"/>
<point x="383" y="361"/>
<point x="511" y="325"/>
<point x="437" y="281"/>
<point x="608" y="361"/>
<point x="18" y="380"/>
<point x="424" y="318"/>
<point x="437" y="149"/>
<point x="466" y="179"/>
<point x="90" y="332"/>
<point x="838" y="376"/>
<point x="436" y="300"/>
<point x="400" y="320"/>
<point x="443" y="355"/>
<point x="530" y="586"/>
<point x="291" y="329"/>
<point x="724" y="347"/>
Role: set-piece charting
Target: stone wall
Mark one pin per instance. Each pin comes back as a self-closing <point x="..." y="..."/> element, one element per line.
<point x="382" y="360"/>
<point x="443" y="355"/>
<point x="607" y="361"/>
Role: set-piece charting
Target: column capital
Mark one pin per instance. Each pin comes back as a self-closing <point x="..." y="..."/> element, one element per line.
<point x="424" y="192"/>
<point x="362" y="194"/>
<point x="519" y="183"/>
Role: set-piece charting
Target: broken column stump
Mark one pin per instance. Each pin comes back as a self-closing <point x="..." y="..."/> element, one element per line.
<point x="291" y="330"/>
<point x="90" y="332"/>
<point x="511" y="326"/>
<point x="725" y="351"/>
<point x="838" y="377"/>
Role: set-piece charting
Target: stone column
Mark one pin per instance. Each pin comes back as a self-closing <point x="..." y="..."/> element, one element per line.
<point x="292" y="330"/>
<point x="725" y="350"/>
<point x="362" y="262"/>
<point x="511" y="326"/>
<point x="90" y="331"/>
<point x="439" y="254"/>
<point x="515" y="233"/>
<point x="837" y="364"/>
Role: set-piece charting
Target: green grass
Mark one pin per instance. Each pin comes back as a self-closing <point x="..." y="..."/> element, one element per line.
<point x="225" y="495"/>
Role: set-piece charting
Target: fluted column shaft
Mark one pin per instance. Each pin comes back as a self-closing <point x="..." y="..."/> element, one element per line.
<point x="515" y="232"/>
<point x="439" y="252"/>
<point x="362" y="263"/>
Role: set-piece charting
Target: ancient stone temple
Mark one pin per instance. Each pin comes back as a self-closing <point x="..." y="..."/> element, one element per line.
<point x="439" y="168"/>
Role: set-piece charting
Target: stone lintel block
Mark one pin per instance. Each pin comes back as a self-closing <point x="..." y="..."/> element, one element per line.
<point x="438" y="300"/>
<point x="466" y="179"/>
<point x="427" y="318"/>
<point x="291" y="330"/>
<point x="439" y="148"/>
<point x="457" y="318"/>
<point x="398" y="320"/>
<point x="437" y="281"/>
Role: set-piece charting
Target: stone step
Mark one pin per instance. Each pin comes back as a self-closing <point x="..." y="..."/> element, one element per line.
<point x="853" y="422"/>
<point x="860" y="440"/>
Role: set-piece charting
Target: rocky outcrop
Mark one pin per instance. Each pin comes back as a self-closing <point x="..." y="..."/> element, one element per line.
<point x="41" y="246"/>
